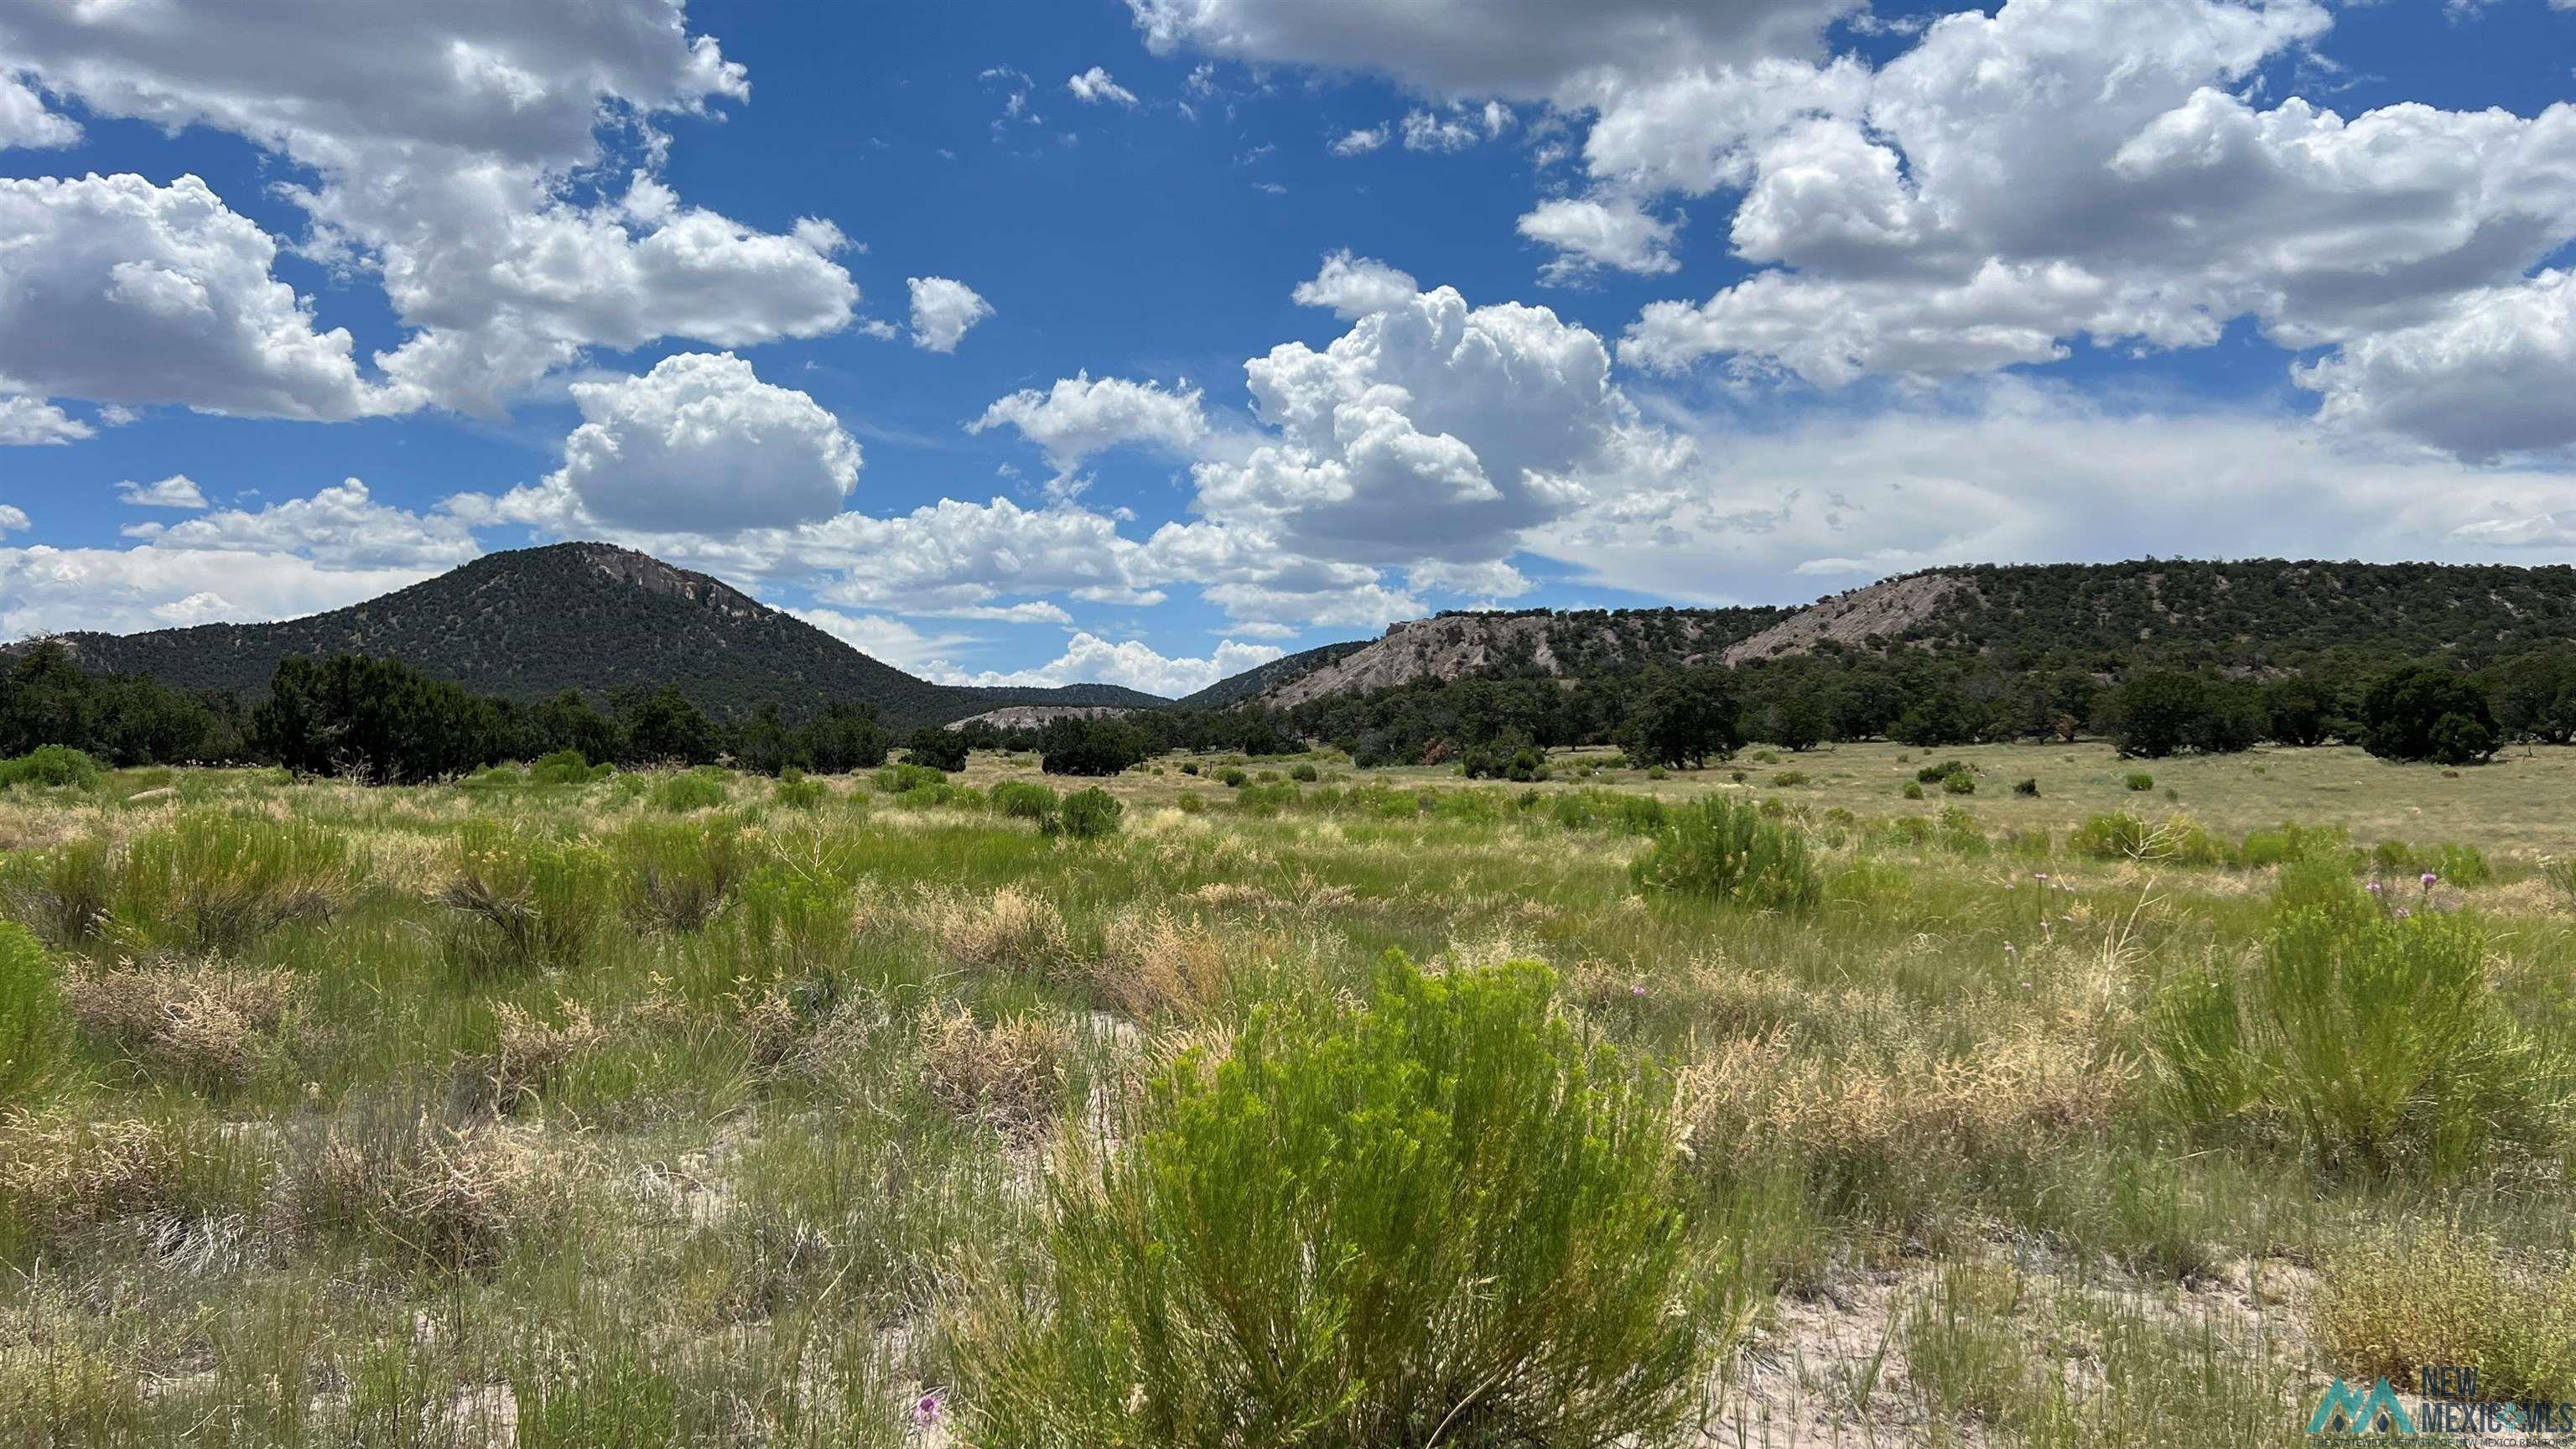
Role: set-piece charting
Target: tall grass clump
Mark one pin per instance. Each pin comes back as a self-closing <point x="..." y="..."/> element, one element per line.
<point x="32" y="1019"/>
<point x="1725" y="850"/>
<point x="2367" y="1028"/>
<point x="1022" y="800"/>
<point x="688" y="793"/>
<point x="676" y="876"/>
<point x="523" y="902"/>
<point x="215" y="882"/>
<point x="64" y="894"/>
<point x="1446" y="1219"/>
<point x="50" y="767"/>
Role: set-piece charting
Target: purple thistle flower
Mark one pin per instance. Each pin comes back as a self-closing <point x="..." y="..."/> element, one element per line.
<point x="2403" y="913"/>
<point x="1639" y="990"/>
<point x="2429" y="878"/>
<point x="926" y="1411"/>
<point x="2374" y="888"/>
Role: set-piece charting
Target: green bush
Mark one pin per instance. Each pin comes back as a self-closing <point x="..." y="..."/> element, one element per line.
<point x="796" y="791"/>
<point x="1305" y="774"/>
<point x="1233" y="779"/>
<point x="675" y="876"/>
<point x="212" y="882"/>
<point x="1447" y="1220"/>
<point x="567" y="767"/>
<point x="1958" y="782"/>
<point x="2139" y="780"/>
<point x="1021" y="800"/>
<point x="1789" y="779"/>
<point x="524" y="902"/>
<point x="50" y="767"/>
<point x="1189" y="767"/>
<point x="2029" y="789"/>
<point x="1088" y="815"/>
<point x="2174" y="840"/>
<point x="2292" y="842"/>
<point x="1913" y="790"/>
<point x="896" y="779"/>
<point x="1725" y="850"/>
<point x="2368" y="1029"/>
<point x="1191" y="804"/>
<point x="33" y="1023"/>
<point x="1935" y="774"/>
<point x="685" y="793"/>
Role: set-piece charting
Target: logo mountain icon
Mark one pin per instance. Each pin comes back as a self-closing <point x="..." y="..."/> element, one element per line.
<point x="2347" y="1410"/>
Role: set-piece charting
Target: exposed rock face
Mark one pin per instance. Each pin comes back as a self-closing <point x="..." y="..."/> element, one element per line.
<point x="1886" y="609"/>
<point x="1443" y="648"/>
<point x="643" y="571"/>
<point x="1038" y="716"/>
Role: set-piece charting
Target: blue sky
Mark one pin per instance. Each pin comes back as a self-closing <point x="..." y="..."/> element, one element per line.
<point x="1141" y="340"/>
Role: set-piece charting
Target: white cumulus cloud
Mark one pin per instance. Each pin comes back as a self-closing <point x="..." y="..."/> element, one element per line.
<point x="1090" y="659"/>
<point x="1079" y="417"/>
<point x="942" y="310"/>
<point x="176" y="491"/>
<point x="1094" y="87"/>
<point x="700" y="443"/>
<point x="1353" y="287"/>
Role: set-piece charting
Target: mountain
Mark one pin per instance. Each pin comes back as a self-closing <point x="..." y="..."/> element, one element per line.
<point x="2247" y="616"/>
<point x="1227" y="693"/>
<point x="591" y="617"/>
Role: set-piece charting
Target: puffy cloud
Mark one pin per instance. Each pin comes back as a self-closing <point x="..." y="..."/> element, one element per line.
<point x="942" y="310"/>
<point x="1090" y="659"/>
<point x="127" y="292"/>
<point x="32" y="422"/>
<point x="1360" y="142"/>
<point x="1093" y="87"/>
<point x="176" y="491"/>
<point x="2001" y="471"/>
<point x="1079" y="417"/>
<point x="13" y="519"/>
<point x="1605" y="231"/>
<point x="442" y="143"/>
<point x="891" y="640"/>
<point x="700" y="443"/>
<point x="340" y="527"/>
<point x="46" y="590"/>
<point x="2067" y="168"/>
<point x="1354" y="287"/>
<point x="1430" y="430"/>
<point x="24" y="121"/>
<point x="2492" y="376"/>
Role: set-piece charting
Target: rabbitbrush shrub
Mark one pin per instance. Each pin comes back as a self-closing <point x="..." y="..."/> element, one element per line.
<point x="2366" y="1028"/>
<point x="523" y="902"/>
<point x="1448" y="1219"/>
<point x="213" y="882"/>
<point x="50" y="767"/>
<point x="32" y="1035"/>
<point x="1727" y="850"/>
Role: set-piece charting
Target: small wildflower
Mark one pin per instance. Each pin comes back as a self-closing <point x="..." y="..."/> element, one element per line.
<point x="2429" y="878"/>
<point x="2040" y="875"/>
<point x="2025" y="986"/>
<point x="1637" y="990"/>
<point x="927" y="1409"/>
<point x="2403" y="913"/>
<point x="2008" y="947"/>
<point x="2374" y="888"/>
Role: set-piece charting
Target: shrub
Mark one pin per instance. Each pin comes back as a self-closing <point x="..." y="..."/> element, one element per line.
<point x="2371" y="1032"/>
<point x="434" y="1195"/>
<point x="2291" y="842"/>
<point x="212" y="882"/>
<point x="206" y="1024"/>
<point x="1233" y="779"/>
<point x="1089" y="814"/>
<point x="32" y="1038"/>
<point x="524" y="902"/>
<point x="796" y="791"/>
<point x="567" y="767"/>
<point x="900" y="777"/>
<point x="1913" y="790"/>
<point x="1724" y="849"/>
<point x="2176" y="840"/>
<point x="2027" y="788"/>
<point x="1021" y="800"/>
<point x="50" y="767"/>
<point x="2427" y="711"/>
<point x="2139" y="780"/>
<point x="1305" y="774"/>
<point x="1935" y="774"/>
<point x="676" y="876"/>
<point x="1189" y="767"/>
<point x="1789" y="779"/>
<point x="1191" y="804"/>
<point x="65" y="893"/>
<point x="1448" y="1219"/>
<point x="1959" y="783"/>
<point x="687" y="793"/>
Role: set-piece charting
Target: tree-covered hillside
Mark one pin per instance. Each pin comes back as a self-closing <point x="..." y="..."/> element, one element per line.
<point x="530" y="624"/>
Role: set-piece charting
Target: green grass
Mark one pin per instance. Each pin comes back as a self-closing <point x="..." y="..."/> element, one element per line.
<point x="391" y="1116"/>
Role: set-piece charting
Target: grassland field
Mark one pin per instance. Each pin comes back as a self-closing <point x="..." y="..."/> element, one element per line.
<point x="705" y="1109"/>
